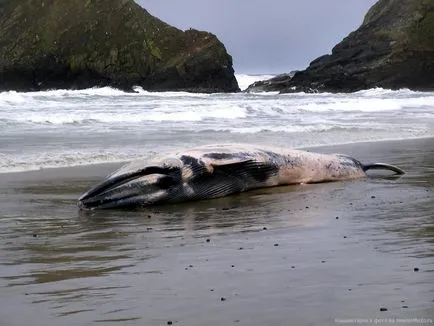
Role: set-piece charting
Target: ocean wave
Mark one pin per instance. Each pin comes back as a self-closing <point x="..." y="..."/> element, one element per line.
<point x="314" y="128"/>
<point x="366" y="105"/>
<point x="380" y="92"/>
<point x="136" y="116"/>
<point x="14" y="98"/>
<point x="22" y="96"/>
<point x="295" y="111"/>
<point x="376" y="92"/>
<point x="245" y="80"/>
<point x="32" y="162"/>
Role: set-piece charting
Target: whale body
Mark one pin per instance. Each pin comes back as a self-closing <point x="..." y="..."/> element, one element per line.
<point x="214" y="171"/>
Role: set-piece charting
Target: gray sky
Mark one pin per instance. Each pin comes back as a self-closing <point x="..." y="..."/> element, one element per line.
<point x="272" y="36"/>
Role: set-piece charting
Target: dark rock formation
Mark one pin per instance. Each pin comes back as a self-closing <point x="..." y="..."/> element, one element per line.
<point x="393" y="48"/>
<point x="273" y="84"/>
<point x="46" y="44"/>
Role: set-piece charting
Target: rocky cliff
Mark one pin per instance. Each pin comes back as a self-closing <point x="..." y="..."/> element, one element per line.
<point x="393" y="48"/>
<point x="47" y="44"/>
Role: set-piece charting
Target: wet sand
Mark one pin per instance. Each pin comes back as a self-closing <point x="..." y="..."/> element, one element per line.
<point x="324" y="254"/>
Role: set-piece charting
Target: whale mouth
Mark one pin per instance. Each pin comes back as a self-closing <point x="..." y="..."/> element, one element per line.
<point x="127" y="188"/>
<point x="106" y="193"/>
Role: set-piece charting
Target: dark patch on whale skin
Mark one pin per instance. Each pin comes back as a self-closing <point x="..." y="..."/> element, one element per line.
<point x="242" y="156"/>
<point x="292" y="161"/>
<point x="194" y="164"/>
<point x="348" y="161"/>
<point x="166" y="181"/>
<point x="273" y="156"/>
<point x="345" y="167"/>
<point x="219" y="156"/>
<point x="288" y="161"/>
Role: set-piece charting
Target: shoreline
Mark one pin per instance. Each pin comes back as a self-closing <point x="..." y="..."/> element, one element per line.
<point x="113" y="164"/>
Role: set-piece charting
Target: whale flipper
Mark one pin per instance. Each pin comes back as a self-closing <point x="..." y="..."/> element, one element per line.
<point x="229" y="177"/>
<point x="248" y="170"/>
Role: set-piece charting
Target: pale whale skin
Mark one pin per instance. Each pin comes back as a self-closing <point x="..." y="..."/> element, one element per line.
<point x="216" y="171"/>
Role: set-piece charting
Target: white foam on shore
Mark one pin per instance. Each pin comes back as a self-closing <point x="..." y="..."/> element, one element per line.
<point x="245" y="80"/>
<point x="29" y="162"/>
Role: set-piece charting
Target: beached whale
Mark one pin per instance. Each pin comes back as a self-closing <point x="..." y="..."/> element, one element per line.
<point x="219" y="170"/>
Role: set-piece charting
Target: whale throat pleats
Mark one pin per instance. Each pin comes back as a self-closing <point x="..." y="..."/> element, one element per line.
<point x="249" y="170"/>
<point x="231" y="178"/>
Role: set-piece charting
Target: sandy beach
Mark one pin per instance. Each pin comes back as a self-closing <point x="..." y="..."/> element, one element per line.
<point x="345" y="253"/>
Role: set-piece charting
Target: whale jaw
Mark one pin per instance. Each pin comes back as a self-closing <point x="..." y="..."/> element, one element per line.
<point x="131" y="188"/>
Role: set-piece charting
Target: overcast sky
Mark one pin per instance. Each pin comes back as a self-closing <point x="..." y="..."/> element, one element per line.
<point x="267" y="36"/>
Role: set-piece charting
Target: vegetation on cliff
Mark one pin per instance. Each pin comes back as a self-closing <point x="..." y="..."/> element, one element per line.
<point x="84" y="43"/>
<point x="393" y="48"/>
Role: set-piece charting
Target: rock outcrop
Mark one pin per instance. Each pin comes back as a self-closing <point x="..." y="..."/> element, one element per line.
<point x="51" y="44"/>
<point x="393" y="48"/>
<point x="276" y="83"/>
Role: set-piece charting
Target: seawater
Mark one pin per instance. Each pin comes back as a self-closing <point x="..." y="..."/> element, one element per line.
<point x="67" y="128"/>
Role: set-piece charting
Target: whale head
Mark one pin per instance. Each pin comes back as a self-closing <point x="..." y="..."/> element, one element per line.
<point x="134" y="185"/>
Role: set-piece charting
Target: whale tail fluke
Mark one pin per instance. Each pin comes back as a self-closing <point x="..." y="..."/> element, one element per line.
<point x="383" y="166"/>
